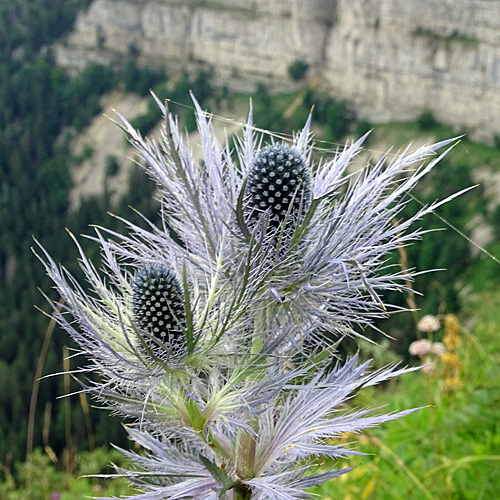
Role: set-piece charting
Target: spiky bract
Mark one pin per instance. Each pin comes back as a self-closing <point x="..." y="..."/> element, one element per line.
<point x="249" y="308"/>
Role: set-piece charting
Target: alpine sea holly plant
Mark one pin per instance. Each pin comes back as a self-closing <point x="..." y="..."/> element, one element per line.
<point x="208" y="332"/>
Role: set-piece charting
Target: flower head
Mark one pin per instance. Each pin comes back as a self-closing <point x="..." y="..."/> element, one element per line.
<point x="429" y="323"/>
<point x="429" y="367"/>
<point x="278" y="182"/>
<point x="438" y="348"/>
<point x="451" y="359"/>
<point x="158" y="305"/>
<point x="420" y="347"/>
<point x="242" y="410"/>
<point x="452" y="342"/>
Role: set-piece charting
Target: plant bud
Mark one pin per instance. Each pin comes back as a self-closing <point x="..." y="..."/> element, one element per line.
<point x="279" y="183"/>
<point x="158" y="305"/>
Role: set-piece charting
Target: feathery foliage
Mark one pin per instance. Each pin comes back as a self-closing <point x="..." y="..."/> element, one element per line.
<point x="252" y="396"/>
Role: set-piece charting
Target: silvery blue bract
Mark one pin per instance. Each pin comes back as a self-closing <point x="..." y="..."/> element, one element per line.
<point x="253" y="395"/>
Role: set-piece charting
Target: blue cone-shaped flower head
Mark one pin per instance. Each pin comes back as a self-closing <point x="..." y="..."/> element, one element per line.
<point x="158" y="306"/>
<point x="278" y="183"/>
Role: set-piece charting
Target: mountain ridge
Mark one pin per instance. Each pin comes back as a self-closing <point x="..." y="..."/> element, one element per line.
<point x="390" y="58"/>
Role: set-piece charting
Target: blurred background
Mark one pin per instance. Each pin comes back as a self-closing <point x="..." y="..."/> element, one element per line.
<point x="411" y="72"/>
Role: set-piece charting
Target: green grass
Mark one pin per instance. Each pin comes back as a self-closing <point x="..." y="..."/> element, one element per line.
<point x="448" y="450"/>
<point x="473" y="154"/>
<point x="484" y="273"/>
<point x="40" y="479"/>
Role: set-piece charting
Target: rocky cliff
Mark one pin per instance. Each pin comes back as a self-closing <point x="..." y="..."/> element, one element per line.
<point x="391" y="58"/>
<point x="394" y="58"/>
<point x="242" y="41"/>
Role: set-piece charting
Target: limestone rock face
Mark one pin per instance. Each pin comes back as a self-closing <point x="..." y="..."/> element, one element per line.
<point x="394" y="58"/>
<point x="240" y="41"/>
<point x="158" y="31"/>
<point x="103" y="140"/>
<point x="391" y="58"/>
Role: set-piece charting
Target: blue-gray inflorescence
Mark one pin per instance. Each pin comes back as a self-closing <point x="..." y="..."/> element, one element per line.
<point x="158" y="304"/>
<point x="279" y="183"/>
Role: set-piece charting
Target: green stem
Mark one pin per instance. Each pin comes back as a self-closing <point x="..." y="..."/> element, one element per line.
<point x="245" y="452"/>
<point x="242" y="492"/>
<point x="215" y="444"/>
<point x="196" y="420"/>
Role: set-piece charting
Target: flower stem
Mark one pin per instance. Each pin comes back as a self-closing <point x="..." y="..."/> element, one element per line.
<point x="245" y="459"/>
<point x="196" y="418"/>
<point x="242" y="492"/>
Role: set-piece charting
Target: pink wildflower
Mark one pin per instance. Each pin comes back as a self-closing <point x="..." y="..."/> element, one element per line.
<point x="428" y="323"/>
<point x="420" y="347"/>
<point x="429" y="368"/>
<point x="438" y="348"/>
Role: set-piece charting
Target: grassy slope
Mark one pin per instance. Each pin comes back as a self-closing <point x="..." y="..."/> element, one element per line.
<point x="448" y="450"/>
